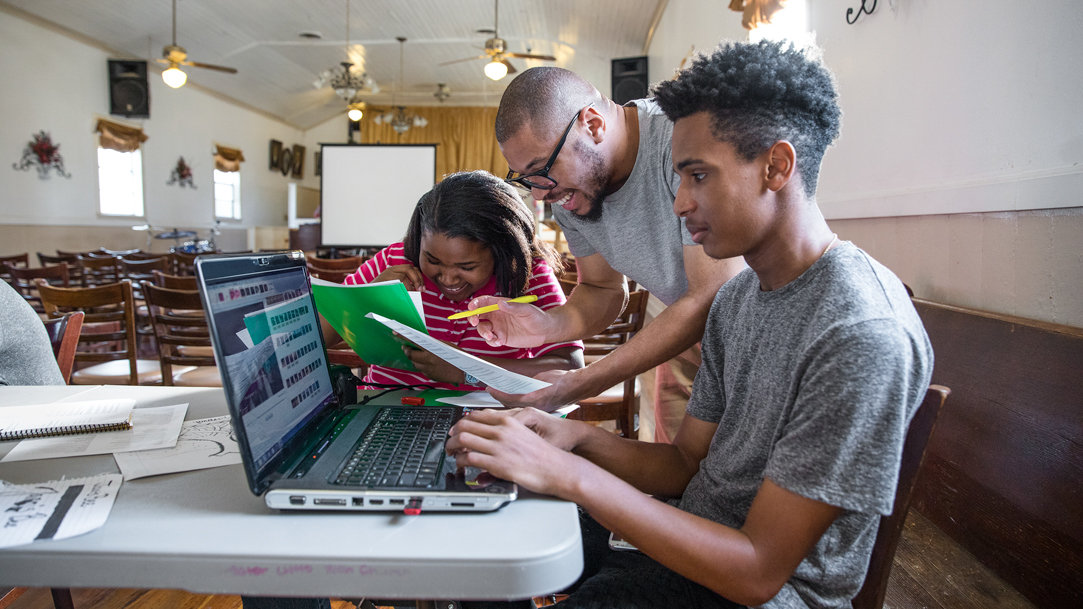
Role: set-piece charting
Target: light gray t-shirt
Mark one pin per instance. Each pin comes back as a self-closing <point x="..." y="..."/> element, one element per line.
<point x="26" y="355"/>
<point x="813" y="386"/>
<point x="638" y="233"/>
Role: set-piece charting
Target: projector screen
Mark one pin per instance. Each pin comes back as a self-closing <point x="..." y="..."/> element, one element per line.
<point x="367" y="192"/>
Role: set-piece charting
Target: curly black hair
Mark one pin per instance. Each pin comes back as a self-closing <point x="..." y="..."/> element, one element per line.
<point x="758" y="94"/>
<point x="479" y="206"/>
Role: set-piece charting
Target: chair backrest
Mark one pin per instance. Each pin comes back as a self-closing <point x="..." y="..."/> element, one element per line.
<point x="620" y="408"/>
<point x="25" y="281"/>
<point x="349" y="263"/>
<point x="64" y="335"/>
<point x="871" y="595"/>
<point x="184" y="263"/>
<point x="137" y="270"/>
<point x="332" y="275"/>
<point x="179" y="324"/>
<point x="16" y="260"/>
<point x="174" y="282"/>
<point x="110" y="313"/>
<point x="101" y="269"/>
<point x="75" y="271"/>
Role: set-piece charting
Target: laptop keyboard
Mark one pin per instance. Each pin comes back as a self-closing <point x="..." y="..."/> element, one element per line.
<point x="403" y="447"/>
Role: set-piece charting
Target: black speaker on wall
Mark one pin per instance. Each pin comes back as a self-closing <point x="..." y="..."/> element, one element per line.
<point x="129" y="94"/>
<point x="629" y="79"/>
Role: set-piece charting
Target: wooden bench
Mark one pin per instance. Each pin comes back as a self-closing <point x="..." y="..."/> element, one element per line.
<point x="1004" y="471"/>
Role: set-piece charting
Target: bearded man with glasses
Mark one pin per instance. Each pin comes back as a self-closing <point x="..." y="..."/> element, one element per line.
<point x="606" y="170"/>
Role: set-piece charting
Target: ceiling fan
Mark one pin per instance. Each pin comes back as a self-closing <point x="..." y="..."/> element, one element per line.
<point x="496" y="50"/>
<point x="174" y="56"/>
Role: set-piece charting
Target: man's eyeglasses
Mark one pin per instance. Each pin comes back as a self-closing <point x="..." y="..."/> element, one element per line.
<point x="540" y="179"/>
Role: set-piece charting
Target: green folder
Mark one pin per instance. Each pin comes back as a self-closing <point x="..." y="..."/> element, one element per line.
<point x="345" y="307"/>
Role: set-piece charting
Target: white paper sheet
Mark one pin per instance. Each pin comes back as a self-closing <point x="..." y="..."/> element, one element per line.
<point x="490" y="374"/>
<point x="203" y="443"/>
<point x="157" y="427"/>
<point x="481" y="399"/>
<point x="55" y="509"/>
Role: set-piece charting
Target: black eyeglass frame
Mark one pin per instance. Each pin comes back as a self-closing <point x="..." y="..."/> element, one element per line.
<point x="524" y="180"/>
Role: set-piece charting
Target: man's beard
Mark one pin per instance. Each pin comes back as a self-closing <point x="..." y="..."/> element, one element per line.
<point x="598" y="180"/>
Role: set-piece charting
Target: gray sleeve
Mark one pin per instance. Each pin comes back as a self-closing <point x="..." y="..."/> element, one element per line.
<point x="26" y="355"/>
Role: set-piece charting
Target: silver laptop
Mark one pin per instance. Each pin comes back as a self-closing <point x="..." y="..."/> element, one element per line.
<point x="301" y="448"/>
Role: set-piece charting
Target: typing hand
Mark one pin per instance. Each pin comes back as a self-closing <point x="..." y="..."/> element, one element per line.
<point x="515" y="445"/>
<point x="514" y="324"/>
<point x="409" y="275"/>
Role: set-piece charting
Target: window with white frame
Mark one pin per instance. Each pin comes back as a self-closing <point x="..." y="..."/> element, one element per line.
<point x="227" y="195"/>
<point x="120" y="182"/>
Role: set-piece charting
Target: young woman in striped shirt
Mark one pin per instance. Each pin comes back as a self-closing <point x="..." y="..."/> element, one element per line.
<point x="471" y="235"/>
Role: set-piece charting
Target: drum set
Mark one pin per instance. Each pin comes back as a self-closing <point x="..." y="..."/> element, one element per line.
<point x="191" y="244"/>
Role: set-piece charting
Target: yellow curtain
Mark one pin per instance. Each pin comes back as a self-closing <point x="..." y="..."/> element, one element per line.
<point x="463" y="136"/>
<point x="756" y="12"/>
<point x="116" y="136"/>
<point x="227" y="159"/>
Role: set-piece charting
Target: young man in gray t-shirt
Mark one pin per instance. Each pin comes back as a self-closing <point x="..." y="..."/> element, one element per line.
<point x="814" y="363"/>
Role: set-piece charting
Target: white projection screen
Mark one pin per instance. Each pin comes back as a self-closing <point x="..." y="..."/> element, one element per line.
<point x="367" y="192"/>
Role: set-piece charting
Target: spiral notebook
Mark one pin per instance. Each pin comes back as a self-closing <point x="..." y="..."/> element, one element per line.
<point x="65" y="418"/>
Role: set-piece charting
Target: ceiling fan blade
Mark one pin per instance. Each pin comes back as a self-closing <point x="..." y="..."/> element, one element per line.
<point x="211" y="67"/>
<point x="532" y="56"/>
<point x="448" y="63"/>
<point x="511" y="68"/>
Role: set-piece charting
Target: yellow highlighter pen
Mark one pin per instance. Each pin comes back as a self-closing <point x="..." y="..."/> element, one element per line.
<point x="490" y="308"/>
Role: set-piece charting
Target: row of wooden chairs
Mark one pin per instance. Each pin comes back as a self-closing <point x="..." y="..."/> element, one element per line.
<point x="108" y="352"/>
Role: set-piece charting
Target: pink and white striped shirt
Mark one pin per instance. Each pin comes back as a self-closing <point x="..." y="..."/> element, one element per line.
<point x="542" y="283"/>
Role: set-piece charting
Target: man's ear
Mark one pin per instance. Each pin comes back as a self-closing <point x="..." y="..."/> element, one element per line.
<point x="781" y="165"/>
<point x="595" y="122"/>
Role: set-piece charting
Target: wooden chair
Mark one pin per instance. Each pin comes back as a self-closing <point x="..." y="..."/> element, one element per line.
<point x="183" y="263"/>
<point x="333" y="269"/>
<point x="184" y="344"/>
<point x="174" y="282"/>
<point x="16" y="260"/>
<point x="871" y="595"/>
<point x="25" y="281"/>
<point x="64" y="335"/>
<point x="618" y="403"/>
<point x="99" y="270"/>
<point x="107" y="354"/>
<point x="75" y="272"/>
<point x="345" y="263"/>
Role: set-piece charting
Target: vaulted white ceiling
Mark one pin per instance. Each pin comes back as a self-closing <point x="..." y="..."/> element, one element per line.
<point x="276" y="66"/>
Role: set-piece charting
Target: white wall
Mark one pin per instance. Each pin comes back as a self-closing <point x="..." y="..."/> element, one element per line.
<point x="959" y="164"/>
<point x="184" y="122"/>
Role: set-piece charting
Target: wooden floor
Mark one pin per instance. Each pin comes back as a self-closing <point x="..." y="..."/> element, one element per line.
<point x="930" y="572"/>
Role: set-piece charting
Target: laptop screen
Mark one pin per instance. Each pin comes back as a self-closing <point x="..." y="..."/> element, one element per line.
<point x="270" y="350"/>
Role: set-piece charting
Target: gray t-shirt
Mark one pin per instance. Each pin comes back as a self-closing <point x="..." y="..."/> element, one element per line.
<point x="26" y="355"/>
<point x="638" y="233"/>
<point x="812" y="385"/>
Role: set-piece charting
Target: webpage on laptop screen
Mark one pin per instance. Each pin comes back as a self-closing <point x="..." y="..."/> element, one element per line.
<point x="268" y="331"/>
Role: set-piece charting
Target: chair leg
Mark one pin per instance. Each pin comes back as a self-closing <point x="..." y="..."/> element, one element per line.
<point x="62" y="598"/>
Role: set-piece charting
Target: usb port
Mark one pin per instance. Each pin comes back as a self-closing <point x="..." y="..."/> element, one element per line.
<point x="376" y="501"/>
<point x="397" y="502"/>
<point x="297" y="499"/>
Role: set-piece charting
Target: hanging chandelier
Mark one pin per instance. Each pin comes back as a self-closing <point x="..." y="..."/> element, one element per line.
<point x="342" y="79"/>
<point x="399" y="119"/>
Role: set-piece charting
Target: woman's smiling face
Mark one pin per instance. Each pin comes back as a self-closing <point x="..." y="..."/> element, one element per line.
<point x="457" y="265"/>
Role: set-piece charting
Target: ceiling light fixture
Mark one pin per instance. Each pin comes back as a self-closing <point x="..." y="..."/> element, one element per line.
<point x="399" y="120"/>
<point x="174" y="76"/>
<point x="496" y="69"/>
<point x="345" y="82"/>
